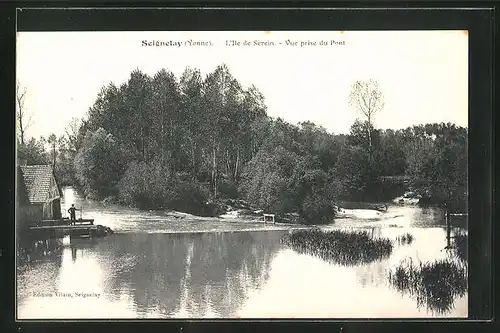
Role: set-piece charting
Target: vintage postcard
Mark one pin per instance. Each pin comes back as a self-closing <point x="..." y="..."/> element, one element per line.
<point x="242" y="174"/>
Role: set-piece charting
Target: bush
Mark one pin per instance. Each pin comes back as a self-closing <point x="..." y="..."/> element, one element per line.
<point x="228" y="190"/>
<point x="153" y="186"/>
<point x="99" y="164"/>
<point x="133" y="187"/>
<point x="317" y="210"/>
<point x="283" y="182"/>
<point x="187" y="196"/>
<point x="404" y="239"/>
<point x="265" y="181"/>
<point x="353" y="173"/>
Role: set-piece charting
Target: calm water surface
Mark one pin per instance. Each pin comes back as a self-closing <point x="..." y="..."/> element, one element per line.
<point x="158" y="266"/>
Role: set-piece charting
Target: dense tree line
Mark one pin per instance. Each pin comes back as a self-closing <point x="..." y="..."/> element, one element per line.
<point x="187" y="143"/>
<point x="53" y="150"/>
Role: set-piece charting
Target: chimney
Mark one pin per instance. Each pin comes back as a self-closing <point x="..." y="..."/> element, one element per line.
<point x="21" y="161"/>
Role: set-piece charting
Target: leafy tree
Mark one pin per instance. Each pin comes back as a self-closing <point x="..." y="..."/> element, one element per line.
<point x="191" y="99"/>
<point x="72" y="134"/>
<point x="264" y="180"/>
<point x="99" y="164"/>
<point x="390" y="155"/>
<point x="63" y="170"/>
<point x="222" y="96"/>
<point x="358" y="137"/>
<point x="52" y="141"/>
<point x="153" y="185"/>
<point x="287" y="176"/>
<point x="179" y="143"/>
<point x="437" y="164"/>
<point x="353" y="173"/>
<point x="33" y="151"/>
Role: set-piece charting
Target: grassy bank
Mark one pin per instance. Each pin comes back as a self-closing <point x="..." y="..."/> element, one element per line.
<point x="338" y="246"/>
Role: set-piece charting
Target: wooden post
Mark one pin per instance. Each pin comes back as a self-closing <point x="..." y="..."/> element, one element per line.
<point x="448" y="227"/>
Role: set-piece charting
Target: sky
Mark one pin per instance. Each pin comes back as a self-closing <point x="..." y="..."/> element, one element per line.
<point x="422" y="74"/>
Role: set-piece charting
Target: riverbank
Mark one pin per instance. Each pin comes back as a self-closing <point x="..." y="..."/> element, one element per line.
<point x="239" y="216"/>
<point x="238" y="210"/>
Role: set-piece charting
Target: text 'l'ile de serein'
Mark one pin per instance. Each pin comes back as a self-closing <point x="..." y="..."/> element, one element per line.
<point x="245" y="43"/>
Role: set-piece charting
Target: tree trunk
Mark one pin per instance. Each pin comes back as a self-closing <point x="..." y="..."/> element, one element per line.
<point x="369" y="140"/>
<point x="162" y="143"/>
<point x="172" y="148"/>
<point x="20" y="117"/>
<point x="54" y="157"/>
<point x="228" y="163"/>
<point x="21" y="130"/>
<point x="143" y="145"/>
<point x="369" y="133"/>
<point x="193" y="154"/>
<point x="214" y="169"/>
<point x="236" y="164"/>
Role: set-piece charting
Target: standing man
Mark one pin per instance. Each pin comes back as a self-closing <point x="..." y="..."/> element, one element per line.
<point x="72" y="213"/>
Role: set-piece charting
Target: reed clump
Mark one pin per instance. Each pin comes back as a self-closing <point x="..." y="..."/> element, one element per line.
<point x="339" y="246"/>
<point x="405" y="239"/>
<point x="460" y="242"/>
<point x="434" y="284"/>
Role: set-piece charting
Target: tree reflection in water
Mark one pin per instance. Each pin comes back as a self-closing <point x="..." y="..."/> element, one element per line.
<point x="30" y="251"/>
<point x="38" y="263"/>
<point x="188" y="275"/>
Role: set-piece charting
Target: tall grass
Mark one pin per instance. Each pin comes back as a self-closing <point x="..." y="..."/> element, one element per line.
<point x="338" y="246"/>
<point x="460" y="242"/>
<point x="405" y="239"/>
<point x="434" y="284"/>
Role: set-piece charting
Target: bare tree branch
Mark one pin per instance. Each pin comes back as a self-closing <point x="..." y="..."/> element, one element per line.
<point x="72" y="132"/>
<point x="367" y="98"/>
<point x="22" y="118"/>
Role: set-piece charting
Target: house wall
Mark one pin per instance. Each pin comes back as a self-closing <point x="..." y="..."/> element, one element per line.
<point x="56" y="209"/>
<point x="54" y="190"/>
<point x="29" y="215"/>
<point x="47" y="210"/>
<point x="52" y="209"/>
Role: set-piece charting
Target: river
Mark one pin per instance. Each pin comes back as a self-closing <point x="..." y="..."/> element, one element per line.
<point x="158" y="266"/>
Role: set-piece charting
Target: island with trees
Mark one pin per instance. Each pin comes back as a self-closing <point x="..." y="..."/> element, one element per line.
<point x="196" y="143"/>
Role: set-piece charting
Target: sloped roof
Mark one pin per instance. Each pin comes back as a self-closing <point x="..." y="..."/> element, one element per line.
<point x="37" y="182"/>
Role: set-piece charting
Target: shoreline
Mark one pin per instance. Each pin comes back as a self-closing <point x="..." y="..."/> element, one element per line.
<point x="239" y="220"/>
<point x="284" y="229"/>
